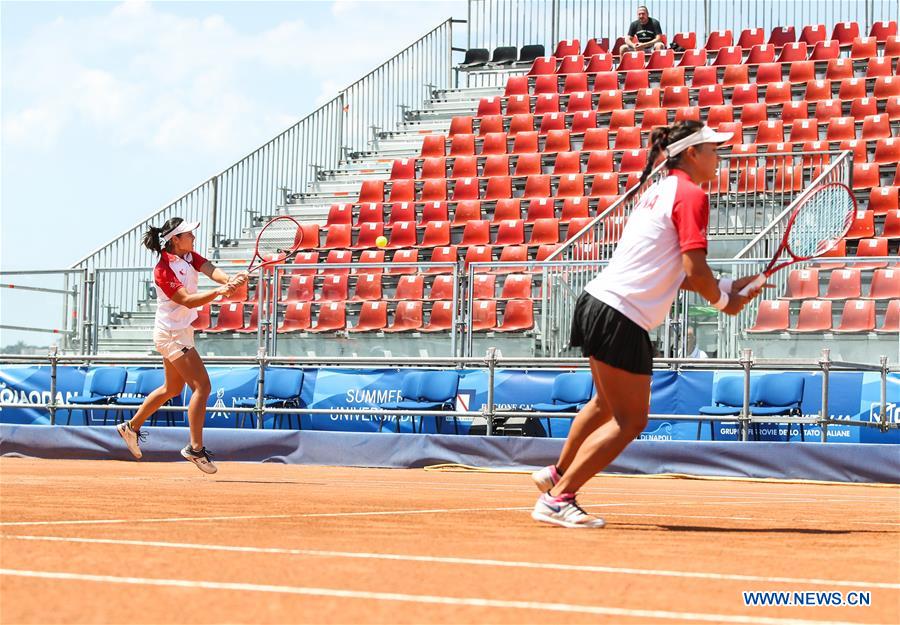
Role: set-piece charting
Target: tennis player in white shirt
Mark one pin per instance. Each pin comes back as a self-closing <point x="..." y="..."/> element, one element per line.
<point x="662" y="249"/>
<point x="176" y="276"/>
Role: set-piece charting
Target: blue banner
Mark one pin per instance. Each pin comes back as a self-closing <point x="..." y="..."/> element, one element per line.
<point x="852" y="396"/>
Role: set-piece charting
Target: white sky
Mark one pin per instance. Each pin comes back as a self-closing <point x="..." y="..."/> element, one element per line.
<point x="110" y="110"/>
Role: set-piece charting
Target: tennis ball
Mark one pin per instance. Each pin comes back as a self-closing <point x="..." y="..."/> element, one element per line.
<point x="381" y="241"/>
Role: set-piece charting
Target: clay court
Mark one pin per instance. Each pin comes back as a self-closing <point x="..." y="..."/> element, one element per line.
<point x="129" y="542"/>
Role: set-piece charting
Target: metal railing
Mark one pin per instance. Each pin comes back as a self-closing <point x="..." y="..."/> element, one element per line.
<point x="520" y="22"/>
<point x="28" y="296"/>
<point x="232" y="200"/>
<point x="491" y="362"/>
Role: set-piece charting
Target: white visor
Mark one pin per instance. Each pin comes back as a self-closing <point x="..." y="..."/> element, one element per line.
<point x="184" y="226"/>
<point x="704" y="135"/>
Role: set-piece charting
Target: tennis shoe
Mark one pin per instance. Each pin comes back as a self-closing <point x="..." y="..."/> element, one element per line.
<point x="545" y="478"/>
<point x="564" y="511"/>
<point x="132" y="438"/>
<point x="201" y="458"/>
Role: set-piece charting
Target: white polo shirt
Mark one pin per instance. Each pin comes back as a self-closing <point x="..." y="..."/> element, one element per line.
<point x="170" y="274"/>
<point x="646" y="270"/>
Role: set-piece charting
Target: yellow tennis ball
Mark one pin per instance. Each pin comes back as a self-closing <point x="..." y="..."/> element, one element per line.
<point x="381" y="241"/>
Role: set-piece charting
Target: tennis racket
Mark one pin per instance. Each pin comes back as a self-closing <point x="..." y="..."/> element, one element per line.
<point x="276" y="241"/>
<point x="815" y="227"/>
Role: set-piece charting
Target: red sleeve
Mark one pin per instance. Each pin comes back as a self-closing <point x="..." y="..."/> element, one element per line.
<point x="690" y="214"/>
<point x="166" y="279"/>
<point x="197" y="261"/>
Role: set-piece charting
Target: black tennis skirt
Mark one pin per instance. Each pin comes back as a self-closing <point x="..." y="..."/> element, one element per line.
<point x="602" y="332"/>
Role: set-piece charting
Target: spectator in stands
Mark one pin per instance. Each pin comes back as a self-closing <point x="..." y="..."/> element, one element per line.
<point x="176" y="276"/>
<point x="662" y="249"/>
<point x="691" y="350"/>
<point x="645" y="33"/>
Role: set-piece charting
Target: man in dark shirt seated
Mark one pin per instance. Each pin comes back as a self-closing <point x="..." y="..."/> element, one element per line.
<point x="645" y="33"/>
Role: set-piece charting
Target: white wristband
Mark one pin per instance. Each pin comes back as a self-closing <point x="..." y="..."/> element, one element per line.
<point x="725" y="284"/>
<point x="723" y="301"/>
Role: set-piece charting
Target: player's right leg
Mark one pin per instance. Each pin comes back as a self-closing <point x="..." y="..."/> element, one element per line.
<point x="130" y="431"/>
<point x="191" y="368"/>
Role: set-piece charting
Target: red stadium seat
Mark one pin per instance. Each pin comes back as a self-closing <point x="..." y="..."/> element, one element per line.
<point x="728" y="55"/>
<point x="802" y="284"/>
<point x="704" y="76"/>
<point x="676" y="97"/>
<point x="335" y="288"/>
<point x="826" y="110"/>
<point x="876" y="127"/>
<point x="778" y="92"/>
<point x="636" y="79"/>
<point x="879" y="66"/>
<point x="340" y="214"/>
<point x="519" y="104"/>
<point x="570" y="185"/>
<point x="518" y="316"/>
<point x="604" y="184"/>
<point x="304" y="259"/>
<point x="858" y="316"/>
<point x="596" y="139"/>
<point x="507" y="209"/>
<point x="885" y="284"/>
<point x="646" y="99"/>
<point x="882" y="30"/>
<point x="803" y="130"/>
<point x="628" y="138"/>
<point x="484" y="286"/>
<point x="368" y="287"/>
<point x="465" y="211"/>
<point x="735" y="76"/>
<point x="844" y="284"/>
<point x="371" y="191"/>
<point x="719" y="39"/>
<point x="434" y="167"/>
<point x="404" y="257"/>
<point x="753" y="114"/>
<point x="540" y="208"/>
<point x="476" y="232"/>
<point x="862" y="108"/>
<point x="596" y="46"/>
<point x="792" y="52"/>
<point x="446" y="254"/>
<point x="516" y="85"/>
<point x="462" y="145"/>
<point x="296" y="317"/>
<point x="528" y="164"/>
<point x="863" y="48"/>
<point x="782" y="35"/>
<point x="883" y="200"/>
<point x="794" y="111"/>
<point x="887" y="151"/>
<point x="672" y="77"/>
<point x="581" y="122"/>
<point x="574" y="208"/>
<point x="759" y="53"/>
<point x="368" y="234"/>
<point x="437" y="234"/>
<point x="892" y="46"/>
<point x="841" y="129"/>
<point x="688" y="40"/>
<point x="852" y="88"/>
<point x="403" y="234"/>
<point x="768" y="73"/>
<point x="525" y="142"/>
<point x="845" y="32"/>
<point x="544" y="231"/>
<point x="498" y="188"/>
<point x="403" y="169"/>
<point x="478" y="254"/>
<point x="813" y="33"/>
<point x="337" y="257"/>
<point x="557" y="141"/>
<point x="770" y="131"/>
<point x="510" y="232"/>
<point x="606" y="81"/>
<point x="719" y="114"/>
<point x="624" y="118"/>
<point x="751" y="38"/>
<point x="410" y="288"/>
<point x="484" y="315"/>
<point x="368" y="257"/>
<point x="543" y="65"/>
<point x="633" y="161"/>
<point x="608" y="101"/>
<point x="599" y="63"/>
<point x="567" y="163"/>
<point x="801" y="72"/>
<point x="490" y="125"/>
<point x="537" y="186"/>
<point x="489" y="106"/>
<point x="891" y="227"/>
<point x="332" y="317"/>
<point x="512" y="253"/>
<point x="693" y="57"/>
<point x="891" y="323"/>
<point x="575" y="83"/>
<point x="546" y="103"/>
<point x="818" y="90"/>
<point x="301" y="288"/>
<point x="653" y="118"/>
<point x="825" y="51"/>
<point x="839" y="69"/>
<point x="815" y="316"/>
<point x="461" y="124"/>
<point x="441" y="318"/>
<point x="661" y="59"/>
<point x="432" y="145"/>
<point x="772" y="316"/>
<point x="407" y="317"/>
<point x="687" y="113"/>
<point x="886" y="87"/>
<point x="431" y="211"/>
<point x="872" y="247"/>
<point x="567" y="47"/>
<point x="744" y="94"/>
<point x="571" y="64"/>
<point x="464" y="167"/>
<point x="578" y="102"/>
<point x="631" y="61"/>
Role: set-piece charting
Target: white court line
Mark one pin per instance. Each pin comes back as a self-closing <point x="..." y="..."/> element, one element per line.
<point x="477" y="602"/>
<point x="548" y="566"/>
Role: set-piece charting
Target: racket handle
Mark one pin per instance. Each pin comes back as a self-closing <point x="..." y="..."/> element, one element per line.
<point x="756" y="284"/>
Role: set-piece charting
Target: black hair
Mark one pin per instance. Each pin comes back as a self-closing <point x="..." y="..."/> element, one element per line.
<point x="151" y="238"/>
<point x="663" y="137"/>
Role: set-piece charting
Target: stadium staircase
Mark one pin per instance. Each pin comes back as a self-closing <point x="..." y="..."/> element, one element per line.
<point x="525" y="169"/>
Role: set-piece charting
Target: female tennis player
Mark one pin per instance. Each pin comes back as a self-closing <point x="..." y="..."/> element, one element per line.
<point x="175" y="276"/>
<point x="662" y="250"/>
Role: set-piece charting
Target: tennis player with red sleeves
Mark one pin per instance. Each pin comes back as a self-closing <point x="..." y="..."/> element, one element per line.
<point x="176" y="276"/>
<point x="662" y="250"/>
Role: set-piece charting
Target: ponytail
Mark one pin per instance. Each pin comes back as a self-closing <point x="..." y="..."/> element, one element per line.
<point x="152" y="237"/>
<point x="661" y="138"/>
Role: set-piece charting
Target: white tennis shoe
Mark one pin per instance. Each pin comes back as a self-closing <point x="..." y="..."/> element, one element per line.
<point x="201" y="458"/>
<point x="565" y="512"/>
<point x="132" y="439"/>
<point x="545" y="478"/>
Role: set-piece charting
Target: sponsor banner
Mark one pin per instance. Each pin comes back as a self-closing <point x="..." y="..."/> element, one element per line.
<point x="854" y="396"/>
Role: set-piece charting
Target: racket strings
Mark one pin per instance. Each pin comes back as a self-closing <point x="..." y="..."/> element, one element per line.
<point x="820" y="222"/>
<point x="278" y="237"/>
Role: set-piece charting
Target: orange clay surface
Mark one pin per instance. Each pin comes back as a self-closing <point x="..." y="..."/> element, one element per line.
<point x="133" y="542"/>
